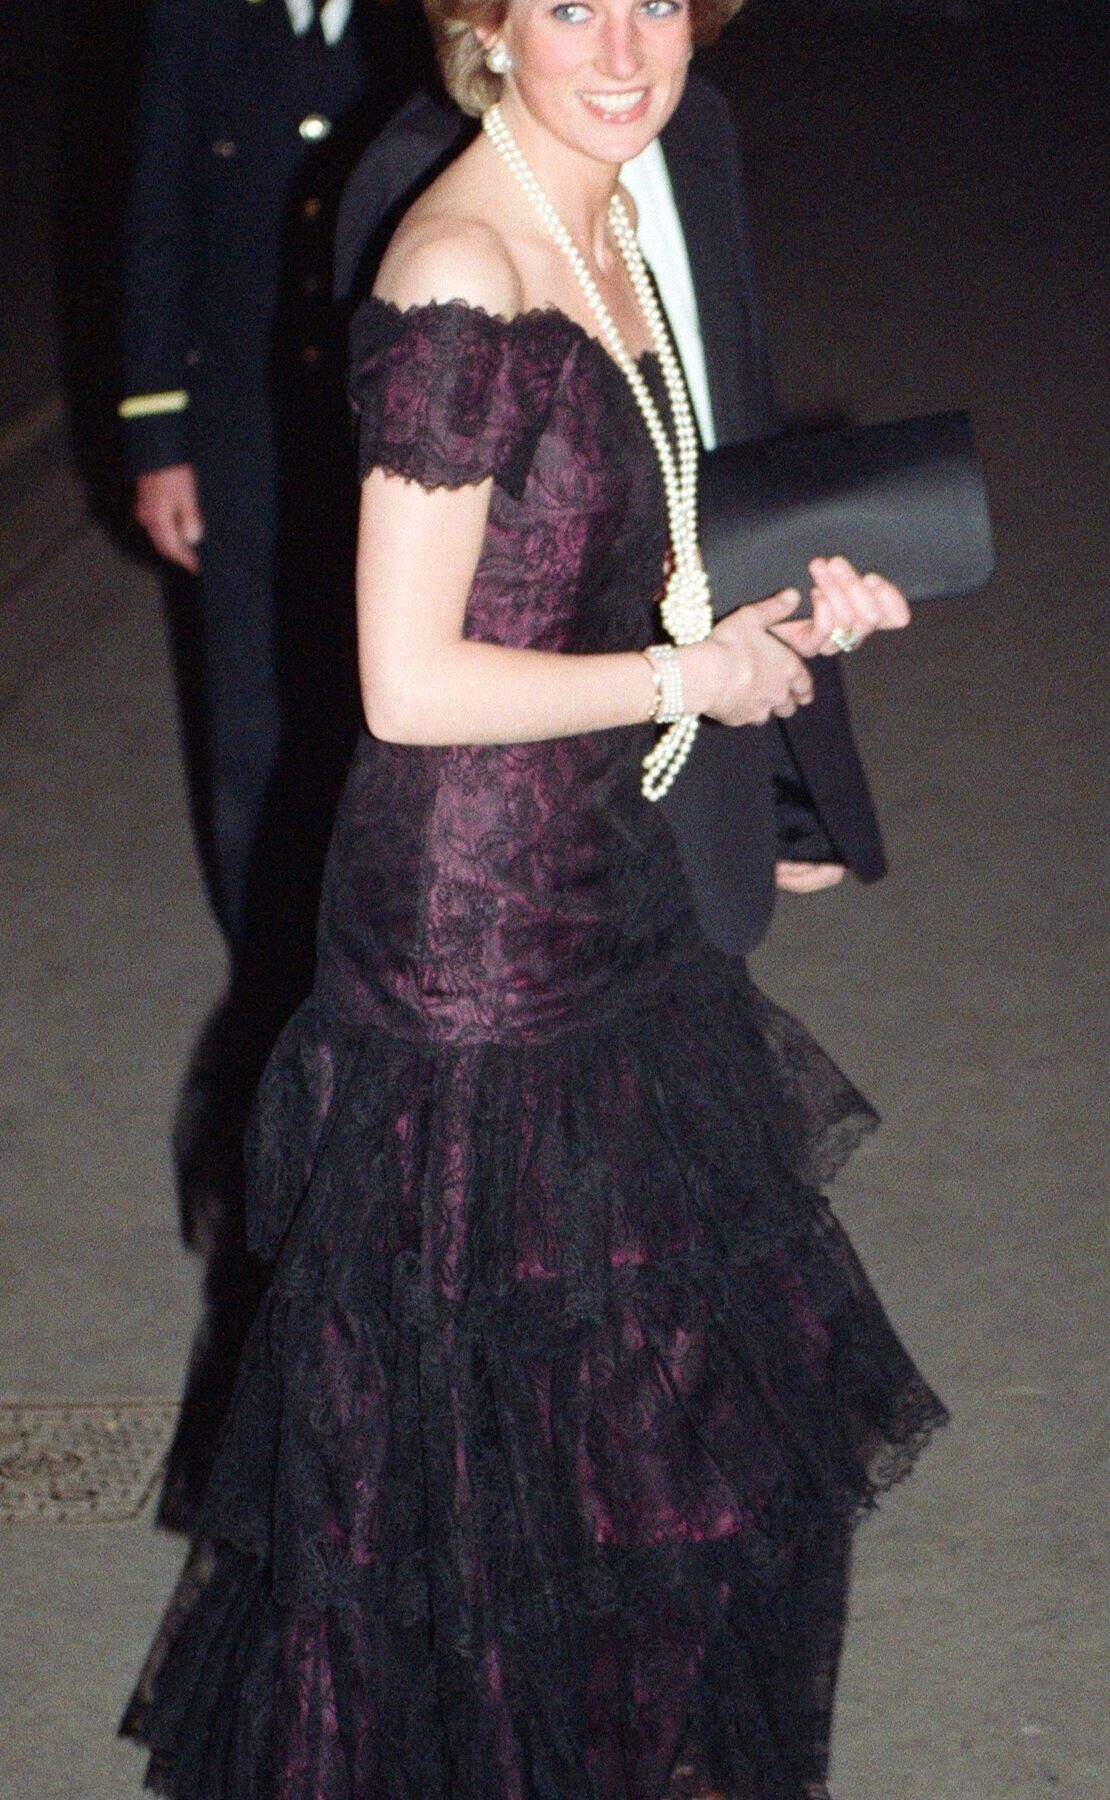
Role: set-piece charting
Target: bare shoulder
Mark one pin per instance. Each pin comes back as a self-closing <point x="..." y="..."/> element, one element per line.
<point x="442" y="253"/>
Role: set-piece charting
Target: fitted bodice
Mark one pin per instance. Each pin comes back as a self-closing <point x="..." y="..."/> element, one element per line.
<point x="447" y="394"/>
<point x="510" y="890"/>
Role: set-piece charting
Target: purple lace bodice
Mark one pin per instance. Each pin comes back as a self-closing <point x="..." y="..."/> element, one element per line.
<point x="510" y="891"/>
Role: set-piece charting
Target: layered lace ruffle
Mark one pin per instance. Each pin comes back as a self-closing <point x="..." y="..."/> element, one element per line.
<point x="541" y="1471"/>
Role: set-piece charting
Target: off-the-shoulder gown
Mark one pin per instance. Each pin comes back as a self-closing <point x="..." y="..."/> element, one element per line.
<point x="540" y="1476"/>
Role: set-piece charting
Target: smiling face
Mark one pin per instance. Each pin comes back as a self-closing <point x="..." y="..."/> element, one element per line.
<point x="603" y="76"/>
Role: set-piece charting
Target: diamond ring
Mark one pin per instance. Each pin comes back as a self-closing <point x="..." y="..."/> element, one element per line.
<point x="845" y="640"/>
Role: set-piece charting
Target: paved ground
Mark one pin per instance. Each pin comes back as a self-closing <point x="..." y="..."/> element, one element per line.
<point x="928" y="239"/>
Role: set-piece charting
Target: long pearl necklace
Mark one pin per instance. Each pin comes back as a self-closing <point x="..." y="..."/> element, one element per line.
<point x="685" y="609"/>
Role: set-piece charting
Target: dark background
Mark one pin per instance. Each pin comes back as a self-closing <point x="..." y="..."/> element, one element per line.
<point x="952" y="78"/>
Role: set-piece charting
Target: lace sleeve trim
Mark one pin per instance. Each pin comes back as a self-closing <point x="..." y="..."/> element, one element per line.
<point x="448" y="395"/>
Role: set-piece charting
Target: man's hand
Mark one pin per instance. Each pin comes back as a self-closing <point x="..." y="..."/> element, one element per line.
<point x="168" y="509"/>
<point x="807" y="877"/>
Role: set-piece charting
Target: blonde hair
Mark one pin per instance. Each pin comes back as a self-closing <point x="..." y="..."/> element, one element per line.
<point x="462" y="56"/>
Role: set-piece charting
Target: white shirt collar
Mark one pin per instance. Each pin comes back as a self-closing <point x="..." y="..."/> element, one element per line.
<point x="334" y="15"/>
<point x="664" y="246"/>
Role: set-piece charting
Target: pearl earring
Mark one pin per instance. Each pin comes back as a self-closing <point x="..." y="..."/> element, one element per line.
<point x="498" y="60"/>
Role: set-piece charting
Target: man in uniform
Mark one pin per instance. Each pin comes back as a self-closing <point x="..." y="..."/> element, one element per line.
<point x="252" y="114"/>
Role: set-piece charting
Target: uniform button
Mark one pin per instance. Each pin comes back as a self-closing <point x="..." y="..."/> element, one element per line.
<point x="313" y="127"/>
<point x="311" y="207"/>
<point x="224" y="147"/>
<point x="310" y="355"/>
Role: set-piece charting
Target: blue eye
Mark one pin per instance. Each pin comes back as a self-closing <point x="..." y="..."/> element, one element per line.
<point x="575" y="12"/>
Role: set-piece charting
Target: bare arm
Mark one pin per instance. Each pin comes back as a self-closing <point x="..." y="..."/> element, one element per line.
<point x="422" y="681"/>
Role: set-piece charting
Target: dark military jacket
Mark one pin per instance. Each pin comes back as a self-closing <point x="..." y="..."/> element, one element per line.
<point x="245" y="136"/>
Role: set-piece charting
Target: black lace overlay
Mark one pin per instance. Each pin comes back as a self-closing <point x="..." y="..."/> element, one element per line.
<point x="542" y="1470"/>
<point x="448" y="395"/>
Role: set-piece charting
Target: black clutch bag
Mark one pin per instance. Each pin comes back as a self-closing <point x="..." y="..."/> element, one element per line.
<point x="906" y="499"/>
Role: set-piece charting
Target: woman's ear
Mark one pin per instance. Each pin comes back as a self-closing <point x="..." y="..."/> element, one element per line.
<point x="490" y="35"/>
<point x="487" y="35"/>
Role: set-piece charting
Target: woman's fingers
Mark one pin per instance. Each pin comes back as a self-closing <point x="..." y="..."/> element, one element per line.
<point x="801" y="687"/>
<point x="857" y="608"/>
<point x="830" y="596"/>
<point x="844" y="603"/>
<point x="773" y="611"/>
<point x="826" y="618"/>
<point x="768" y="675"/>
<point x="799" y="693"/>
<point x="854" y="604"/>
<point x="784" y="678"/>
<point x="810" y="637"/>
<point x="892" y="604"/>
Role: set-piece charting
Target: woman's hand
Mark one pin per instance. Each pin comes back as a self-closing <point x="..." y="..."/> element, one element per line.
<point x="741" y="674"/>
<point x="844" y="601"/>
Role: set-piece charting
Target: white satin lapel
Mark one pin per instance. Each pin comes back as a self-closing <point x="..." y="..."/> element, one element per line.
<point x="334" y="17"/>
<point x="301" y="14"/>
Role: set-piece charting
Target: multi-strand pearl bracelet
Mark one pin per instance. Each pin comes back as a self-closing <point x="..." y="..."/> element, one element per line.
<point x="667" y="703"/>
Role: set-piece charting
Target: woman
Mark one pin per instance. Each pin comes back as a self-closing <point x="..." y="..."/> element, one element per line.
<point x="545" y="1454"/>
